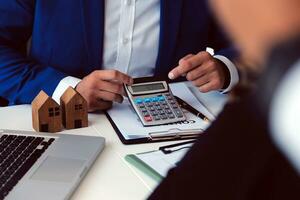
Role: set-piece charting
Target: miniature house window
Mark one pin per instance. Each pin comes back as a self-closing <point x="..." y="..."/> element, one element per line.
<point x="53" y="112"/>
<point x="57" y="111"/>
<point x="78" y="107"/>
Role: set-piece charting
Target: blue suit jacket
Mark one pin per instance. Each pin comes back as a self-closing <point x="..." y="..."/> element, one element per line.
<point x="67" y="40"/>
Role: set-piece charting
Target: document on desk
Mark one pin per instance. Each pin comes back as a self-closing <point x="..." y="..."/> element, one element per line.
<point x="127" y="122"/>
<point x="156" y="164"/>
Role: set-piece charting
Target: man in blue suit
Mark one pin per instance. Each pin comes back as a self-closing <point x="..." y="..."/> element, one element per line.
<point x="97" y="45"/>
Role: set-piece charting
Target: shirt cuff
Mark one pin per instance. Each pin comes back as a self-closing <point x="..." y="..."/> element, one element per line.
<point x="63" y="86"/>
<point x="234" y="75"/>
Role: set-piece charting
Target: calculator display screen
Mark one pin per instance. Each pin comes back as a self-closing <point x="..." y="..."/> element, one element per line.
<point x="147" y="87"/>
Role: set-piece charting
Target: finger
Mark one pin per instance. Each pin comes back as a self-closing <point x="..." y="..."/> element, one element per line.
<point x="182" y="69"/>
<point x="206" y="87"/>
<point x="100" y="105"/>
<point x="107" y="86"/>
<point x="213" y="84"/>
<point x="108" y="96"/>
<point x="199" y="72"/>
<point x="198" y="59"/>
<point x="217" y="80"/>
<point x="185" y="58"/>
<point x="181" y="61"/>
<point x="189" y="64"/>
<point x="114" y="75"/>
<point x="173" y="74"/>
<point x="201" y="81"/>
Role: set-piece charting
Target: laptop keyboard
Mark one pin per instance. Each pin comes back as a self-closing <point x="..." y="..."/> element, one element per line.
<point x="18" y="153"/>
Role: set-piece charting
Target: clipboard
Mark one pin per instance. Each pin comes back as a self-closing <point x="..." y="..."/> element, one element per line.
<point x="190" y="129"/>
<point x="156" y="136"/>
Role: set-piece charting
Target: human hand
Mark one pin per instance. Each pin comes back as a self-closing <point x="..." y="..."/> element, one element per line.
<point x="103" y="87"/>
<point x="206" y="72"/>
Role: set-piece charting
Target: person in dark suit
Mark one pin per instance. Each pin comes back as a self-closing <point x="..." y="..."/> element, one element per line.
<point x="250" y="152"/>
<point x="97" y="45"/>
<point x="3" y="102"/>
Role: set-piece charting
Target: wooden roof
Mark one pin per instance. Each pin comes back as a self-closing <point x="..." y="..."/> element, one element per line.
<point x="41" y="99"/>
<point x="69" y="94"/>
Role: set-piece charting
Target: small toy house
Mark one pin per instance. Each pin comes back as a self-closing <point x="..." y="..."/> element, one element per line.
<point x="74" y="109"/>
<point x="46" y="114"/>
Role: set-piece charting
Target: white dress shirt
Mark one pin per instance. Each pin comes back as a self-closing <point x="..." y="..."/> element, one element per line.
<point x="131" y="41"/>
<point x="285" y="115"/>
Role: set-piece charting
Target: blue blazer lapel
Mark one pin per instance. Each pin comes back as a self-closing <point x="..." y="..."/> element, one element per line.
<point x="93" y="26"/>
<point x="169" y="27"/>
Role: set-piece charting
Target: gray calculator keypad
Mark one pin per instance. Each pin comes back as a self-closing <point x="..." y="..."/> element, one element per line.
<point x="158" y="107"/>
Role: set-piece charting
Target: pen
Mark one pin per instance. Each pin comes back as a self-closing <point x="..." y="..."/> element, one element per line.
<point x="191" y="109"/>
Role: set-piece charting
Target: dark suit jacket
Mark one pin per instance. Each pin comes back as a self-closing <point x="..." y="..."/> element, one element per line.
<point x="3" y="102"/>
<point x="235" y="158"/>
<point x="67" y="39"/>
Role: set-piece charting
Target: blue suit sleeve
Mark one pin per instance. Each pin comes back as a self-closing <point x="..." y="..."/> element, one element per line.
<point x="21" y="78"/>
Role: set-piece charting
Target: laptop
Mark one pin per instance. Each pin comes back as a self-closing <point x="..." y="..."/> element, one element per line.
<point x="44" y="166"/>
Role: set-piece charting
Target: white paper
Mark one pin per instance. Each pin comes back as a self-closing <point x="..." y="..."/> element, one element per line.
<point x="162" y="163"/>
<point x="130" y="126"/>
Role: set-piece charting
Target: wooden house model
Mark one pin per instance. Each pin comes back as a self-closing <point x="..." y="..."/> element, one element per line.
<point x="74" y="109"/>
<point x="46" y="114"/>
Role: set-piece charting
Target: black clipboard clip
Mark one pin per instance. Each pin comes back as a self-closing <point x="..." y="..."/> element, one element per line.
<point x="176" y="147"/>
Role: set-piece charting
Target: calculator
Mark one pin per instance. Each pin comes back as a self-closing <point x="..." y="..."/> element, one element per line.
<point x="154" y="103"/>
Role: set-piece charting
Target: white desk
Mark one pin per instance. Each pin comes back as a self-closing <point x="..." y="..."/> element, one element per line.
<point x="111" y="177"/>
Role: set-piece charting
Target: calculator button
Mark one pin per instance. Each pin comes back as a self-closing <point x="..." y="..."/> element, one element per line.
<point x="152" y="108"/>
<point x="168" y="111"/>
<point x="154" y="113"/>
<point x="144" y="109"/>
<point x="172" y="102"/>
<point x="156" y="118"/>
<point x="164" y="116"/>
<point x="148" y="118"/>
<point x="138" y="101"/>
<point x="178" y="113"/>
<point x="141" y="106"/>
<point x="161" y="112"/>
<point x="166" y="107"/>
<point x="164" y="103"/>
<point x="146" y="114"/>
<point x="171" y="116"/>
<point x="148" y="104"/>
<point x="147" y="100"/>
<point x="161" y="98"/>
<point x="155" y="99"/>
<point x="158" y="107"/>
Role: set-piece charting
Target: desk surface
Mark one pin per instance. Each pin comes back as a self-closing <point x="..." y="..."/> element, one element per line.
<point x="111" y="177"/>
